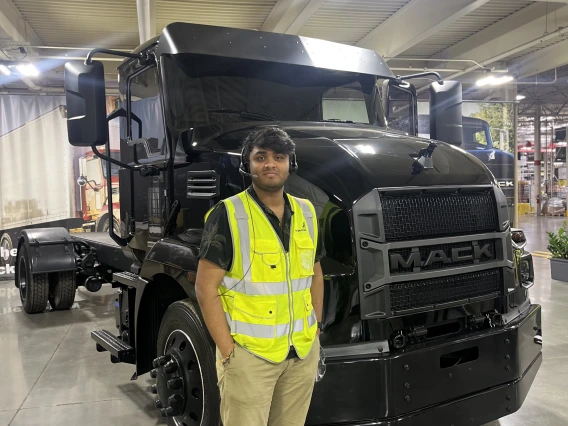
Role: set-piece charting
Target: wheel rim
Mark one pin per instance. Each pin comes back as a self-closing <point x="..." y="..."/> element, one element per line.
<point x="188" y="369"/>
<point x="7" y="247"/>
<point x="22" y="274"/>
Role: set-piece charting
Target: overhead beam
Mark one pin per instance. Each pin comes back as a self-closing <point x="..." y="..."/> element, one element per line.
<point x="416" y="21"/>
<point x="146" y="10"/>
<point x="15" y="25"/>
<point x="517" y="29"/>
<point x="542" y="60"/>
<point x="289" y="16"/>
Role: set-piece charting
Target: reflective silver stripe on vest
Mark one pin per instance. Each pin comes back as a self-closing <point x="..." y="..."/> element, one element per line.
<point x="307" y="215"/>
<point x="265" y="289"/>
<point x="242" y="224"/>
<point x="256" y="289"/>
<point x="259" y="330"/>
<point x="301" y="283"/>
<point x="268" y="331"/>
<point x="299" y="324"/>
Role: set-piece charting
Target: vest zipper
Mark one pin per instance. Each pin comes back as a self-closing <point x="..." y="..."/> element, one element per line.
<point x="290" y="301"/>
<point x="288" y="281"/>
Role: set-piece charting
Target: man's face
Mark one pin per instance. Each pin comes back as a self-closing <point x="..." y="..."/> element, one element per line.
<point x="271" y="168"/>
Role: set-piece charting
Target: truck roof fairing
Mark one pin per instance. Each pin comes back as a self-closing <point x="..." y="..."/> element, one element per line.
<point x="179" y="38"/>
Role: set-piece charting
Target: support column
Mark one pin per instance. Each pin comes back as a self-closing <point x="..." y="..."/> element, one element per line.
<point x="509" y="94"/>
<point x="517" y="171"/>
<point x="536" y="188"/>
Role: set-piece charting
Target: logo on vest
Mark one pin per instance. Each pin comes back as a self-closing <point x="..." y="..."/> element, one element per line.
<point x="306" y="259"/>
<point x="303" y="229"/>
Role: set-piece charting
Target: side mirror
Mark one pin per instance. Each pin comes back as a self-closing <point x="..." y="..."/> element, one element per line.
<point x="86" y="104"/>
<point x="400" y="106"/>
<point x="446" y="112"/>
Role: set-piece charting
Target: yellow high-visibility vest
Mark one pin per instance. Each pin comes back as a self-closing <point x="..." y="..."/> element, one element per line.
<point x="266" y="294"/>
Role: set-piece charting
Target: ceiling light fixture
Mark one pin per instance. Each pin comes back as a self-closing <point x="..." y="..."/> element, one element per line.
<point x="494" y="81"/>
<point x="520" y="97"/>
<point x="27" y="70"/>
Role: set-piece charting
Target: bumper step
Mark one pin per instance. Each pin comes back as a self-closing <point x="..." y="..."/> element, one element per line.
<point x="119" y="350"/>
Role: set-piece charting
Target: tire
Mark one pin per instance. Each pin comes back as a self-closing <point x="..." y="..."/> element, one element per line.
<point x="104" y="224"/>
<point x="6" y="244"/>
<point x="62" y="288"/>
<point x="34" y="288"/>
<point x="196" y="365"/>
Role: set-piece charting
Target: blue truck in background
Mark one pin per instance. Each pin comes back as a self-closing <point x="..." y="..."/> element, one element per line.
<point x="477" y="140"/>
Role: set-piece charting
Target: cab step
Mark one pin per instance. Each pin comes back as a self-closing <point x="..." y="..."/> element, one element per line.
<point x="119" y="351"/>
<point x="126" y="278"/>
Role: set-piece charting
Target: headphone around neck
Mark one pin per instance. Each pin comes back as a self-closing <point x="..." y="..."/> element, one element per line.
<point x="244" y="168"/>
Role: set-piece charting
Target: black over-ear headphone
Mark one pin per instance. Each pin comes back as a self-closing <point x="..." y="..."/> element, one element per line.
<point x="244" y="168"/>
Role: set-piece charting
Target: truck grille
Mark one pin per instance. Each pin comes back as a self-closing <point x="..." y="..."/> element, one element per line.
<point x="436" y="291"/>
<point x="425" y="251"/>
<point x="435" y="215"/>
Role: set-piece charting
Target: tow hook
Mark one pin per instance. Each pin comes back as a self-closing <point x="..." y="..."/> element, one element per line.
<point x="494" y="319"/>
<point x="399" y="340"/>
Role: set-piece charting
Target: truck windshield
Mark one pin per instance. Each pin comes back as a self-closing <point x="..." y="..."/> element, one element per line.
<point x="113" y="167"/>
<point x="205" y="91"/>
<point x="476" y="132"/>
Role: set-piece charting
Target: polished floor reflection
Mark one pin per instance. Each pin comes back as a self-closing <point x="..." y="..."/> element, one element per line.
<point x="53" y="376"/>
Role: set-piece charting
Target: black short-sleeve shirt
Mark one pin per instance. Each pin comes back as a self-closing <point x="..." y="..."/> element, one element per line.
<point x="217" y="243"/>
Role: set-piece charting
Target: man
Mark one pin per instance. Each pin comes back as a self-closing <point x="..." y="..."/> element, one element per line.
<point x="260" y="288"/>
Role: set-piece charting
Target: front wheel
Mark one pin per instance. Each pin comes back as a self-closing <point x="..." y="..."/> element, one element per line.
<point x="34" y="288"/>
<point x="185" y="369"/>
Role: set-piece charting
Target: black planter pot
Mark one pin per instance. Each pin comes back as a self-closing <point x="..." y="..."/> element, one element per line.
<point x="559" y="269"/>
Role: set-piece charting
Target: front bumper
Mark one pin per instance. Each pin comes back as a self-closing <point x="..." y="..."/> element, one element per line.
<point x="418" y="388"/>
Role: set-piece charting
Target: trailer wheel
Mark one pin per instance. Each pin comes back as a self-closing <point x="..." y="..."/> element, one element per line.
<point x="104" y="224"/>
<point x="6" y="244"/>
<point x="34" y="288"/>
<point x="185" y="369"/>
<point x="62" y="288"/>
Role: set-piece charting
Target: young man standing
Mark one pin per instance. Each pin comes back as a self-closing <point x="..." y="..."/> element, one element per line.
<point x="260" y="288"/>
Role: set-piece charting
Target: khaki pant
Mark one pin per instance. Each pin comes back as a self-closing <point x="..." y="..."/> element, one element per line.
<point x="255" y="392"/>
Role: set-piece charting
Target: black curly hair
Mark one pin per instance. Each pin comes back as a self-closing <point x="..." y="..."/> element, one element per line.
<point x="272" y="137"/>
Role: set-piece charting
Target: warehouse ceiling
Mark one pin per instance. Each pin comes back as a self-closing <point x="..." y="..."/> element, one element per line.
<point x="460" y="39"/>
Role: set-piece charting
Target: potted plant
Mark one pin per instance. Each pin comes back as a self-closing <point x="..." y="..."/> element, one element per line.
<point x="558" y="246"/>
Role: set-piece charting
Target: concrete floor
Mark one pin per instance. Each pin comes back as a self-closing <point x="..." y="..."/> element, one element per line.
<point x="54" y="376"/>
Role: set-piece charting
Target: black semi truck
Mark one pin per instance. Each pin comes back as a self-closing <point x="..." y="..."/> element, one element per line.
<point x="427" y="316"/>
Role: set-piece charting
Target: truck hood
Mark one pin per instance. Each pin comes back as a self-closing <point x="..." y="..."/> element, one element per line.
<point x="501" y="163"/>
<point x="350" y="160"/>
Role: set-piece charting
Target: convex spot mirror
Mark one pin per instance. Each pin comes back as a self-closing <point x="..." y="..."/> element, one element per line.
<point x="86" y="104"/>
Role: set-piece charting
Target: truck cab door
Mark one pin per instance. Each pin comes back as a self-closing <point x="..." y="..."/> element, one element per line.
<point x="143" y="142"/>
<point x="400" y="106"/>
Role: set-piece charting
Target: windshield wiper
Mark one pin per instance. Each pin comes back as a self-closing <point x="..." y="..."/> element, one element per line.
<point x="245" y="114"/>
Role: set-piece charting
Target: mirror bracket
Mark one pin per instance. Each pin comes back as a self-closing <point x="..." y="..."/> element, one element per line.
<point x="399" y="78"/>
<point x="93" y="52"/>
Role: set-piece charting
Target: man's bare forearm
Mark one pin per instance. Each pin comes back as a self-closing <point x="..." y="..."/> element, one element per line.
<point x="206" y="288"/>
<point x="317" y="291"/>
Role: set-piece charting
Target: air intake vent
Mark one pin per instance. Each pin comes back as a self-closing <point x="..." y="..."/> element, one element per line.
<point x="418" y="216"/>
<point x="431" y="293"/>
<point x="202" y="184"/>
